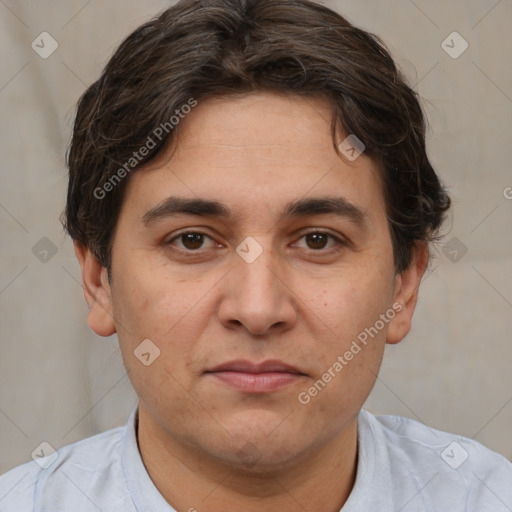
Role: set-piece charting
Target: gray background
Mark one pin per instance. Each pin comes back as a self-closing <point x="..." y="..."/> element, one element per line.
<point x="59" y="382"/>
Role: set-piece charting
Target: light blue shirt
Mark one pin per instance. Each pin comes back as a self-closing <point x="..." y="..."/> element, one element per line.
<point x="403" y="466"/>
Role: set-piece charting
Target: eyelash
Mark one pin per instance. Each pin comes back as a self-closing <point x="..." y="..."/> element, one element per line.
<point x="340" y="243"/>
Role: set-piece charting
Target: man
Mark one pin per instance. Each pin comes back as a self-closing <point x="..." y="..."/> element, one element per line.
<point x="251" y="205"/>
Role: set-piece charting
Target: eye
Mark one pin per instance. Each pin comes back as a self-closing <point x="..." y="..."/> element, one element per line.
<point x="318" y="240"/>
<point x="191" y="240"/>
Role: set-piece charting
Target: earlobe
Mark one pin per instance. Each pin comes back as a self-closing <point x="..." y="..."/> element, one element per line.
<point x="406" y="294"/>
<point x="97" y="291"/>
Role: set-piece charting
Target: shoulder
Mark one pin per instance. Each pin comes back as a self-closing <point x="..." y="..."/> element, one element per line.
<point x="446" y="464"/>
<point x="76" y="476"/>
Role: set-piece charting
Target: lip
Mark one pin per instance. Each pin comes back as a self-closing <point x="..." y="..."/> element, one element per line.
<point x="250" y="377"/>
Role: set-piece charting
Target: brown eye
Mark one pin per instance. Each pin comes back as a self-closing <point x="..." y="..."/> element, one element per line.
<point x="190" y="241"/>
<point x="317" y="240"/>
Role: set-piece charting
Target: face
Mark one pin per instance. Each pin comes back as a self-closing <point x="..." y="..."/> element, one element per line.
<point x="256" y="303"/>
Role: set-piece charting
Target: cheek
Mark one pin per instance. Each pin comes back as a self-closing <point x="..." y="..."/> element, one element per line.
<point x="169" y="311"/>
<point x="350" y="353"/>
<point x="347" y="362"/>
<point x="152" y="303"/>
<point x="352" y="305"/>
<point x="151" y="309"/>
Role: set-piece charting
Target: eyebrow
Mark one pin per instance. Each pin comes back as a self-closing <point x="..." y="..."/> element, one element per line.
<point x="174" y="206"/>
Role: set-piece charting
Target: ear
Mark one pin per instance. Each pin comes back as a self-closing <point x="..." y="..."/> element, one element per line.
<point x="97" y="291"/>
<point x="406" y="294"/>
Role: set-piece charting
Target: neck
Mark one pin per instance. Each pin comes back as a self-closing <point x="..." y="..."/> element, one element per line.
<point x="189" y="480"/>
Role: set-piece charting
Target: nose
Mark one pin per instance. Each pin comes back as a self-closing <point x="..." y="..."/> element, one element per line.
<point x="258" y="296"/>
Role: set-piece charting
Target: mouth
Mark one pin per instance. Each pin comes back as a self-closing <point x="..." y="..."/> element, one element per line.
<point x="250" y="377"/>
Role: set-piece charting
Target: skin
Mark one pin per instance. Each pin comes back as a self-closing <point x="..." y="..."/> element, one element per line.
<point x="298" y="302"/>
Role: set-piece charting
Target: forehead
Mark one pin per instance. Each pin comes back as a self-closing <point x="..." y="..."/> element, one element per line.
<point x="257" y="151"/>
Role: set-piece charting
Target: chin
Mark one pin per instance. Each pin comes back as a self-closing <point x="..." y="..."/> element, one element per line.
<point x="261" y="442"/>
<point x="265" y="458"/>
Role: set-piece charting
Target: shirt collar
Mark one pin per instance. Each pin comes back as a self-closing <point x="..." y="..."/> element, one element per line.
<point x="143" y="492"/>
<point x="147" y="498"/>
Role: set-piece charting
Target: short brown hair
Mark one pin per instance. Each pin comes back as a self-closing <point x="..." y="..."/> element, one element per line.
<point x="202" y="48"/>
